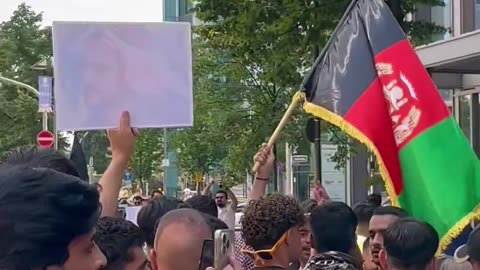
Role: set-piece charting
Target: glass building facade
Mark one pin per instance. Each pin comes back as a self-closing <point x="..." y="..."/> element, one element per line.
<point x="177" y="11"/>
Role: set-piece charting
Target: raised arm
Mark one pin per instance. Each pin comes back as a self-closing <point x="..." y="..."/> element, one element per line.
<point x="206" y="190"/>
<point x="266" y="159"/>
<point x="232" y="197"/>
<point x="122" y="142"/>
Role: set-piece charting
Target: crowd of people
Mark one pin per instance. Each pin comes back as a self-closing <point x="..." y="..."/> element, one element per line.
<point x="52" y="219"/>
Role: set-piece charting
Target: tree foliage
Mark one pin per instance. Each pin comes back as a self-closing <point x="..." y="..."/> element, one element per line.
<point x="23" y="42"/>
<point x="148" y="155"/>
<point x="95" y="145"/>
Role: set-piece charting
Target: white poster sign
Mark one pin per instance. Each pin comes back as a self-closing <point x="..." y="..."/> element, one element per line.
<point x="333" y="180"/>
<point x="102" y="69"/>
<point x="132" y="213"/>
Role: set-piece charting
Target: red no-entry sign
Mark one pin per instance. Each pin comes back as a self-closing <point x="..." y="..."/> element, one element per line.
<point x="45" y="139"/>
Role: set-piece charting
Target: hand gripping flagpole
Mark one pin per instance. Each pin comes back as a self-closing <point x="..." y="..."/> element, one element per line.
<point x="297" y="99"/>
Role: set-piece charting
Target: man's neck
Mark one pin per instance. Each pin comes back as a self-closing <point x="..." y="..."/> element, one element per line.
<point x="273" y="263"/>
<point x="303" y="263"/>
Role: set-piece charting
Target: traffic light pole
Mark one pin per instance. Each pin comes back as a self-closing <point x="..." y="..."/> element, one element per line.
<point x="317" y="144"/>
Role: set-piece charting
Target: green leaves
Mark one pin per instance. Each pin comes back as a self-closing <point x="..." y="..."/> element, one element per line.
<point x="23" y="42"/>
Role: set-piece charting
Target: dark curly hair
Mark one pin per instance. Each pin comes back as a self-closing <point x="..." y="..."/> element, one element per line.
<point x="265" y="220"/>
<point x="116" y="237"/>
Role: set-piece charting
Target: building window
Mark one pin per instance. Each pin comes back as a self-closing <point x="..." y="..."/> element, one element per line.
<point x="477" y="14"/>
<point x="170" y="10"/>
<point x="442" y="16"/>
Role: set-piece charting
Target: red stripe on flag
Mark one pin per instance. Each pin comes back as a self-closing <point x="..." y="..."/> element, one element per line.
<point x="370" y="116"/>
<point x="414" y="102"/>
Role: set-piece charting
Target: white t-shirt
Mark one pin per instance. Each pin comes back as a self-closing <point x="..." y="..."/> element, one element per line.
<point x="227" y="215"/>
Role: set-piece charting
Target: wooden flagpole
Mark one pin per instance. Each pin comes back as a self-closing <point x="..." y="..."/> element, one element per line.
<point x="297" y="99"/>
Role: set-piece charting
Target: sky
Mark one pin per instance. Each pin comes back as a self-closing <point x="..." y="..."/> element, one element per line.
<point x="89" y="10"/>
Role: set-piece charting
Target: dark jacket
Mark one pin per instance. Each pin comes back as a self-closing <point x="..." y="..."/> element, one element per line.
<point x="333" y="260"/>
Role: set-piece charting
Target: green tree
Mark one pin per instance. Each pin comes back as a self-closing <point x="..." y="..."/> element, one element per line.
<point x="148" y="155"/>
<point x="95" y="144"/>
<point x="23" y="42"/>
<point x="203" y="147"/>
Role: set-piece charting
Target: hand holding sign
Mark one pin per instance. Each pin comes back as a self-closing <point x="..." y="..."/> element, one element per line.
<point x="122" y="140"/>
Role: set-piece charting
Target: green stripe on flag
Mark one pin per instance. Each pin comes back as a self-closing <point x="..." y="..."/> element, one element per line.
<point x="441" y="176"/>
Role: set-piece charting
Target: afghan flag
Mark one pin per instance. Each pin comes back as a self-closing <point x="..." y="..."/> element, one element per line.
<point x="369" y="82"/>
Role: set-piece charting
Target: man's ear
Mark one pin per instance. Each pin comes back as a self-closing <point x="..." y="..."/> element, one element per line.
<point x="289" y="236"/>
<point x="383" y="257"/>
<point x="152" y="256"/>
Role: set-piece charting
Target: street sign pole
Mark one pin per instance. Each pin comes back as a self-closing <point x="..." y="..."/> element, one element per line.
<point x="314" y="136"/>
<point x="44" y="121"/>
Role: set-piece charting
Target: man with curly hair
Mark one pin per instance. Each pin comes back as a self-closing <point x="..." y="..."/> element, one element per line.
<point x="271" y="227"/>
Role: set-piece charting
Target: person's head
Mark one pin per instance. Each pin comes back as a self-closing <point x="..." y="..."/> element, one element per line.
<point x="181" y="233"/>
<point x="271" y="226"/>
<point x="382" y="218"/>
<point x="333" y="227"/>
<point x="35" y="157"/>
<point x="156" y="194"/>
<point x="221" y="198"/>
<point x="364" y="212"/>
<point x="450" y="263"/>
<point x="308" y="206"/>
<point x="375" y="199"/>
<point x="204" y="204"/>
<point x="122" y="243"/>
<point x="214" y="223"/>
<point x="305" y="231"/>
<point x="47" y="219"/>
<point x="471" y="250"/>
<point x="367" y="257"/>
<point x="409" y="244"/>
<point x="150" y="214"/>
<point x="137" y="200"/>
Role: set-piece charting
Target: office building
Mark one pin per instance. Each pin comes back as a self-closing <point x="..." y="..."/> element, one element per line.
<point x="454" y="61"/>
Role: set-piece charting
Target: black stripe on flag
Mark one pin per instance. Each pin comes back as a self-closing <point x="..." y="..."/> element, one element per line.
<point x="345" y="69"/>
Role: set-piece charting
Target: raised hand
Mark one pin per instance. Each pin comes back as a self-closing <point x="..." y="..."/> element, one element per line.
<point x="266" y="159"/>
<point x="122" y="140"/>
<point x="320" y="193"/>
